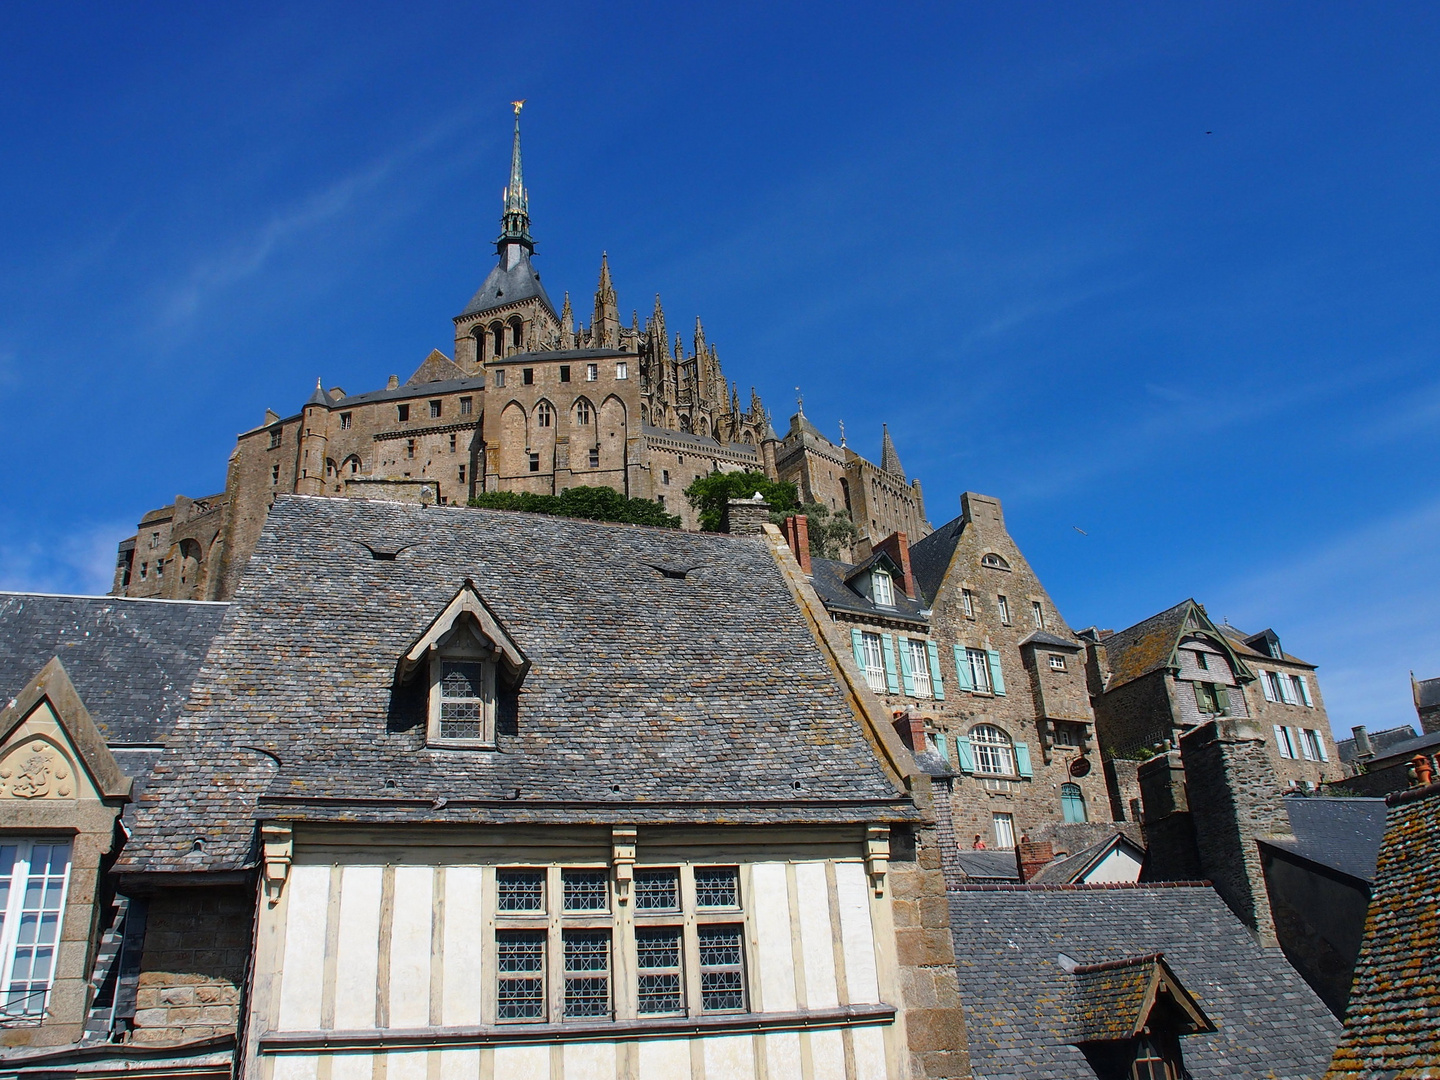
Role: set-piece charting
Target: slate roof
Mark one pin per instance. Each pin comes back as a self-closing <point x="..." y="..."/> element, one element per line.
<point x="828" y="577"/>
<point x="503" y="287"/>
<point x="1241" y="643"/>
<point x="1392" y="1024"/>
<point x="1339" y="833"/>
<point x="930" y="557"/>
<point x="1054" y="641"/>
<point x="1145" y="647"/>
<point x="1380" y="742"/>
<point x="1016" y="995"/>
<point x="1427" y="693"/>
<point x="987" y="865"/>
<point x="131" y="661"/>
<point x="409" y="391"/>
<point x="702" y="442"/>
<point x="1408" y="748"/>
<point x="650" y="698"/>
<point x="1075" y="866"/>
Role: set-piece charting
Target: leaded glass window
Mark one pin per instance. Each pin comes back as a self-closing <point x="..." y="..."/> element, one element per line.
<point x="717" y="886"/>
<point x="462" y="700"/>
<point x="520" y="890"/>
<point x="586" y="890"/>
<point x="520" y="987"/>
<point x="657" y="890"/>
<point x="722" y="969"/>
<point x="657" y="952"/>
<point x="587" y="973"/>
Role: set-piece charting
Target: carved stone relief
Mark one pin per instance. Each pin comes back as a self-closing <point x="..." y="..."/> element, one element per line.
<point x="36" y="769"/>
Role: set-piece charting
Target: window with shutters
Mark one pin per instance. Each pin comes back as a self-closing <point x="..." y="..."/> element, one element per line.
<point x="920" y="667"/>
<point x="993" y="750"/>
<point x="1289" y="742"/>
<point x="33" y="879"/>
<point x="1286" y="685"/>
<point x="979" y="669"/>
<point x="1212" y="699"/>
<point x="874" y="662"/>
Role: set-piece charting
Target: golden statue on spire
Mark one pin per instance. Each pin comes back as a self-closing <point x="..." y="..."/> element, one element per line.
<point x="518" y="105"/>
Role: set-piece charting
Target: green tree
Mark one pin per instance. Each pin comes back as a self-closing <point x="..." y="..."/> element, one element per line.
<point x="709" y="494"/>
<point x="832" y="534"/>
<point x="592" y="503"/>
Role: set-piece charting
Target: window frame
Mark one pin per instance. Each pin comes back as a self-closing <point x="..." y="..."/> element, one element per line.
<point x="874" y="671"/>
<point x="882" y="589"/>
<point x="437" y="408"/>
<point x="12" y="915"/>
<point x="984" y="747"/>
<point x="1002" y="605"/>
<point x="979" y="661"/>
<point x="920" y="667"/>
<point x="967" y="603"/>
<point x="1057" y="662"/>
<point x="466" y="649"/>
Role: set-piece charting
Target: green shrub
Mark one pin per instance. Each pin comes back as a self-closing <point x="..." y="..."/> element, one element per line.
<point x="591" y="503"/>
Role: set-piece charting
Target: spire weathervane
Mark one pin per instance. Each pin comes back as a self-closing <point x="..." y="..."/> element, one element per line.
<point x="515" y="223"/>
<point x="799" y="402"/>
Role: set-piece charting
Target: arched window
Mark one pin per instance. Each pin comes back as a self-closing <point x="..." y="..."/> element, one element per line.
<point x="544" y="414"/>
<point x="478" y="333"/>
<point x="644" y="415"/>
<point x="994" y="753"/>
<point x="685" y="424"/>
<point x="993" y="561"/>
<point x="584" y="413"/>
<point x="517" y="333"/>
<point x="497" y="337"/>
<point x="330" y="469"/>
<point x="1072" y="803"/>
<point x="354" y="463"/>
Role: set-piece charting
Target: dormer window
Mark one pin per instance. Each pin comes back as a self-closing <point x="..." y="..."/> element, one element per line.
<point x="882" y="589"/>
<point x="467" y="655"/>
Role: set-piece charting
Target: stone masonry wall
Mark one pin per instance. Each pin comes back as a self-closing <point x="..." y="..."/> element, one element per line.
<point x="1234" y="798"/>
<point x="197" y="945"/>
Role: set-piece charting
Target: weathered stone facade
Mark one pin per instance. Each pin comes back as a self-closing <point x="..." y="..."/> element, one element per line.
<point x="192" y="969"/>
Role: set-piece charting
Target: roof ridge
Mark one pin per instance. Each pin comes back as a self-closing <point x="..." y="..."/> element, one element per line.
<point x="107" y="596"/>
<point x="1115" y="965"/>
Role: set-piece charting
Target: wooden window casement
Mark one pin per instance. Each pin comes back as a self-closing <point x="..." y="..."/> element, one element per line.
<point x="34" y="875"/>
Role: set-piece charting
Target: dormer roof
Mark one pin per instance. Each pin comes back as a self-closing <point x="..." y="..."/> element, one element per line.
<point x="466" y="602"/>
<point x="1154" y="643"/>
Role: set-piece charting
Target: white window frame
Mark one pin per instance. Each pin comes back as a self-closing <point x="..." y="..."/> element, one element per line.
<point x="1057" y="662"/>
<point x="1003" y="825"/>
<point x="1003" y="604"/>
<point x="874" y="661"/>
<point x="920" y="667"/>
<point x="622" y="371"/>
<point x="993" y="757"/>
<point x="14" y="915"/>
<point x="1037" y="612"/>
<point x="967" y="603"/>
<point x="592" y="372"/>
<point x="979" y="662"/>
<point x="882" y="589"/>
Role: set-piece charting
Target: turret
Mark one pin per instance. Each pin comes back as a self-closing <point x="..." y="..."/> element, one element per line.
<point x="889" y="459"/>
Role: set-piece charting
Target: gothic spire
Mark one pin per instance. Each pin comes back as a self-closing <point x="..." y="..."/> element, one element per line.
<point x="605" y="328"/>
<point x="515" y="223"/>
<point x="889" y="459"/>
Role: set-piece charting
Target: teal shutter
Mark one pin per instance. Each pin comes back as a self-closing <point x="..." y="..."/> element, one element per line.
<point x="1305" y="691"/>
<point x="1022" y="759"/>
<point x="963" y="755"/>
<point x="997" y="679"/>
<point x="1265" y="686"/>
<point x="962" y="669"/>
<point x="907" y="677"/>
<point x="891" y="682"/>
<point x="937" y="684"/>
<point x="942" y="743"/>
<point x="858" y="644"/>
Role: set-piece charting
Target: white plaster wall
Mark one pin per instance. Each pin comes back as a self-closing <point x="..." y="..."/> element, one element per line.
<point x="1117" y="866"/>
<point x="303" y="969"/>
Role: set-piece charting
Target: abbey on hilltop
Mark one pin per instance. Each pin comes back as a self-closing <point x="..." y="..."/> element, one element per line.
<point x="529" y="402"/>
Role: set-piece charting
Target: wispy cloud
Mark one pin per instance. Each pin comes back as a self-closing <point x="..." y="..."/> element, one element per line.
<point x="80" y="561"/>
<point x="1368" y="594"/>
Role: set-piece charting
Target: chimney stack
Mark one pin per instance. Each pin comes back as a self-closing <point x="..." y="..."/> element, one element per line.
<point x="393" y="383"/>
<point x="797" y="536"/>
<point x="1032" y="856"/>
<point x="1363" y="749"/>
<point x="897" y="546"/>
<point x="746" y="517"/>
<point x="911" y="729"/>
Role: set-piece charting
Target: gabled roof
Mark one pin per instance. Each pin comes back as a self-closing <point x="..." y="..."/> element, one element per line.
<point x="1052" y="641"/>
<point x="52" y="684"/>
<point x="1392" y="1023"/>
<point x="437" y="367"/>
<point x="930" y="557"/>
<point x="131" y="661"/>
<point x="1342" y="834"/>
<point x="503" y="287"/>
<point x="1113" y="1000"/>
<point x="830" y="580"/>
<point x="467" y="601"/>
<point x="1020" y="1013"/>
<point x="650" y="698"/>
<point x="1074" y="868"/>
<point x="1248" y="645"/>
<point x="1152" y="644"/>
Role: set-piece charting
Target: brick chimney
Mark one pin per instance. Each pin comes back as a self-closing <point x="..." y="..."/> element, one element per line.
<point x="745" y="517"/>
<point x="897" y="546"/>
<point x="911" y="729"/>
<point x="797" y="535"/>
<point x="1234" y="798"/>
<point x="1031" y="856"/>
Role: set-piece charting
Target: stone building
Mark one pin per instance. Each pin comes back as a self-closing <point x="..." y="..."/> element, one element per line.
<point x="500" y="794"/>
<point x="957" y="635"/>
<point x="1427" y="703"/>
<point x="529" y="402"/>
<point x="1151" y="683"/>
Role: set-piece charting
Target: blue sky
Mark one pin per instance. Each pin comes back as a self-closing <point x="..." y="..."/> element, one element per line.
<point x="1164" y="273"/>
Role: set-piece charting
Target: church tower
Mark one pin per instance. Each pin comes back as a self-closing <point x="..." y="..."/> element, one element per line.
<point x="511" y="312"/>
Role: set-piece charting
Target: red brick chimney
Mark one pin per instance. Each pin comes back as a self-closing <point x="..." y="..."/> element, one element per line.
<point x="1033" y="855"/>
<point x="897" y="546"/>
<point x="911" y="729"/>
<point x="797" y="536"/>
